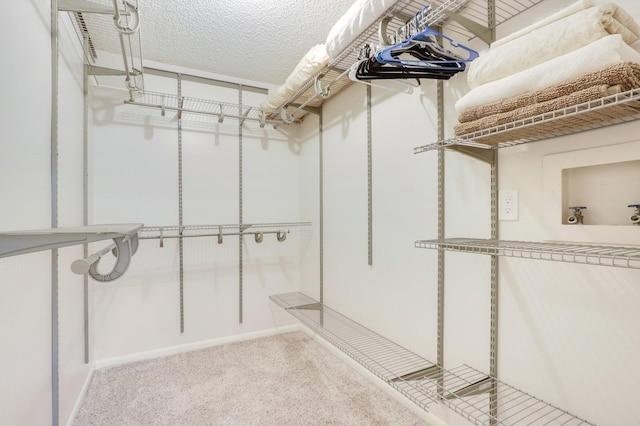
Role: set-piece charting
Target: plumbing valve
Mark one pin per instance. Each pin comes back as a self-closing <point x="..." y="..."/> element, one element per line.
<point x="635" y="218"/>
<point x="576" y="218"/>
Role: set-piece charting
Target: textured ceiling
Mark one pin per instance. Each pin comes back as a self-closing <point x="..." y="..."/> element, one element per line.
<point x="260" y="40"/>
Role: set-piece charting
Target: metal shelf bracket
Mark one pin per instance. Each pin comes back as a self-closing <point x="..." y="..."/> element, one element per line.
<point x="483" y="33"/>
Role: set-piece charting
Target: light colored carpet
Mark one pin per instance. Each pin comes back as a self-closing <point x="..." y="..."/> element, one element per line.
<point x="282" y="380"/>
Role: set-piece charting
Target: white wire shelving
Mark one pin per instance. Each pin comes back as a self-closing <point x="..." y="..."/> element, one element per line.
<point x="186" y="105"/>
<point x="124" y="236"/>
<point x="387" y="360"/>
<point x="463" y="389"/>
<point x="112" y="41"/>
<point x="607" y="111"/>
<point x="258" y="230"/>
<point x="464" y="20"/>
<point x="14" y="243"/>
<point x="583" y="253"/>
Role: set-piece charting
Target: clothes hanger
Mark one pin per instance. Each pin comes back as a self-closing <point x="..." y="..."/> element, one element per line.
<point x="363" y="57"/>
<point x="421" y="42"/>
<point x="400" y="86"/>
<point x="427" y="52"/>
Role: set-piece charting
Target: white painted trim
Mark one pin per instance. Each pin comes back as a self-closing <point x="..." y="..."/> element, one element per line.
<point x="431" y="419"/>
<point x="80" y="398"/>
<point x="173" y="350"/>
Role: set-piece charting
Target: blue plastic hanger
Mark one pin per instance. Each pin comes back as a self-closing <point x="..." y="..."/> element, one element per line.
<point x="434" y="54"/>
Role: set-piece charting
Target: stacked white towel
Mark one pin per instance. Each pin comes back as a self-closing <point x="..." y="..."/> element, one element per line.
<point x="359" y="16"/>
<point x="576" y="40"/>
<point x="310" y="64"/>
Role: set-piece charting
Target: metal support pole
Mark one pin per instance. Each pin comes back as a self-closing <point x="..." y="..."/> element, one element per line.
<point x="495" y="288"/>
<point x="493" y="368"/>
<point x="369" y="180"/>
<point x="240" y="214"/>
<point x="85" y="192"/>
<point x="441" y="222"/>
<point x="55" y="352"/>
<point x="180" y="215"/>
<point x="321" y="220"/>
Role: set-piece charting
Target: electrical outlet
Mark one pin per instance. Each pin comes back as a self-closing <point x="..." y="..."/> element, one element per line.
<point x="508" y="205"/>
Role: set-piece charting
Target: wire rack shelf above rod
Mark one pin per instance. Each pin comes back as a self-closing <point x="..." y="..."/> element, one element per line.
<point x="463" y="19"/>
<point x="124" y="236"/>
<point x="606" y="111"/>
<point x="104" y="27"/>
<point x="188" y="105"/>
<point x="257" y="230"/>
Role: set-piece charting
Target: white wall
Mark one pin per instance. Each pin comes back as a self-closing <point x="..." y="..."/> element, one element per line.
<point x="25" y="188"/>
<point x="395" y="296"/>
<point x="566" y="332"/>
<point x="135" y="179"/>
<point x="74" y="372"/>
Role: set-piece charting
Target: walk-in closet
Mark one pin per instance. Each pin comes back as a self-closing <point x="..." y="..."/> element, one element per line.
<point x="350" y="212"/>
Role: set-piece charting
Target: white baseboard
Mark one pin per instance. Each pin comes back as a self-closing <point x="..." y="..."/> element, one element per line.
<point x="80" y="398"/>
<point x="188" y="347"/>
<point x="431" y="419"/>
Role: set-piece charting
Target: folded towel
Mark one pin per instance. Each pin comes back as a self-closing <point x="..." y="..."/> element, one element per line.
<point x="276" y="97"/>
<point x="531" y="110"/>
<point x="310" y="64"/>
<point x="359" y="16"/>
<point x="624" y="74"/>
<point x="567" y="11"/>
<point x="555" y="39"/>
<point x="599" y="54"/>
<point x="622" y="16"/>
<point x="583" y="121"/>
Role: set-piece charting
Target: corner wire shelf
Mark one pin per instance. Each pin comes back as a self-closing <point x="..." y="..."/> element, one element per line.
<point x="186" y="105"/>
<point x="607" y="111"/>
<point x="583" y="253"/>
<point x="109" y="53"/>
<point x="124" y="236"/>
<point x="463" y="18"/>
<point x="14" y="243"/>
<point x="463" y="389"/>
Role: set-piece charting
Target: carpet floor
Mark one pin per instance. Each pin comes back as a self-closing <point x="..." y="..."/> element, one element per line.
<point x="287" y="379"/>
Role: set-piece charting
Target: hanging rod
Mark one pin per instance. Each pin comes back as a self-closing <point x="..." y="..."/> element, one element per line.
<point x="463" y="19"/>
<point x="122" y="248"/>
<point x="124" y="236"/>
<point x="123" y="21"/>
<point x="258" y="235"/>
<point x="14" y="243"/>
<point x="185" y="104"/>
<point x="193" y="231"/>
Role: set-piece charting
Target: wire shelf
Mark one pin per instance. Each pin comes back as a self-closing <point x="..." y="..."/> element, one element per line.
<point x="464" y="389"/>
<point x="113" y="56"/>
<point x="607" y="111"/>
<point x="186" y="106"/>
<point x="583" y="253"/>
<point x="169" y="232"/>
<point x="473" y="391"/>
<point x="333" y="75"/>
<point x="13" y="243"/>
<point x="387" y="360"/>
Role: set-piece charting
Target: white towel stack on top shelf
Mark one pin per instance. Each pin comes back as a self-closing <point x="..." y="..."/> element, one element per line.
<point x="310" y="64"/>
<point x="576" y="41"/>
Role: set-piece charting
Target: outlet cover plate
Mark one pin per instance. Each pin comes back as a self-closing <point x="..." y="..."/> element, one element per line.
<point x="508" y="205"/>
